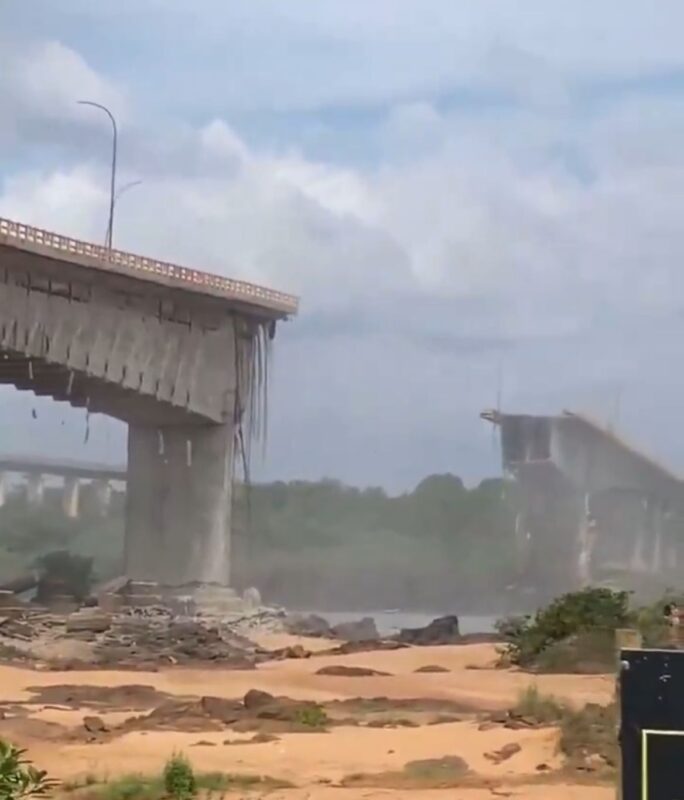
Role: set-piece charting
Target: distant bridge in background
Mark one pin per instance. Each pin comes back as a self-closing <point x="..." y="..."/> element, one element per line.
<point x="65" y="468"/>
<point x="73" y="472"/>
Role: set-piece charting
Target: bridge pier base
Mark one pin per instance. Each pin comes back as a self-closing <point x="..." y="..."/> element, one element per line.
<point x="178" y="504"/>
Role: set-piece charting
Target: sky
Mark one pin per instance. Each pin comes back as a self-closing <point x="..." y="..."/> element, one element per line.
<point x="478" y="202"/>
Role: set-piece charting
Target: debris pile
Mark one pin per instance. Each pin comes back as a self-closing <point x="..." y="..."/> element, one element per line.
<point x="151" y="638"/>
<point x="133" y="638"/>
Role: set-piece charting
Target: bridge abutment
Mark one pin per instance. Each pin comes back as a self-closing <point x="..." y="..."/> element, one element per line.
<point x="178" y="504"/>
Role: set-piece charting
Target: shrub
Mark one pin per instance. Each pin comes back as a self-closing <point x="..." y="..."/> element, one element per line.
<point x="577" y="612"/>
<point x="312" y="716"/>
<point x="541" y="708"/>
<point x="179" y="778"/>
<point x="73" y="573"/>
<point x="18" y="777"/>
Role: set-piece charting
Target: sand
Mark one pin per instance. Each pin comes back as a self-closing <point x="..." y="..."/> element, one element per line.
<point x="315" y="762"/>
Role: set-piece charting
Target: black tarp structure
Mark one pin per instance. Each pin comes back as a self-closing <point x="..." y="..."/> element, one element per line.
<point x="652" y="724"/>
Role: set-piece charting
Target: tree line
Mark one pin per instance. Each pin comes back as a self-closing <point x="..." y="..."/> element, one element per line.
<point x="322" y="544"/>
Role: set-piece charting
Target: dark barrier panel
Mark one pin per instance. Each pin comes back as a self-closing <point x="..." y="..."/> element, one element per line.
<point x="652" y="726"/>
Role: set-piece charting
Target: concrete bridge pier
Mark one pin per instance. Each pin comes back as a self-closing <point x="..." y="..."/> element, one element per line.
<point x="656" y="520"/>
<point x="35" y="489"/>
<point x="70" y="497"/>
<point x="586" y="541"/>
<point x="103" y="496"/>
<point x="178" y="504"/>
<point x="3" y="488"/>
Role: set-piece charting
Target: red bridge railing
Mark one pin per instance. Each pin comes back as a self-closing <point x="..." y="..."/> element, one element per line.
<point x="149" y="268"/>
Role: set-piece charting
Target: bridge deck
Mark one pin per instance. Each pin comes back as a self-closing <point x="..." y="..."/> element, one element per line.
<point x="72" y="468"/>
<point x="95" y="256"/>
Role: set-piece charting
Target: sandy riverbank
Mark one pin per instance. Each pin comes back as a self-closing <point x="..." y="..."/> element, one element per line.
<point x="317" y="762"/>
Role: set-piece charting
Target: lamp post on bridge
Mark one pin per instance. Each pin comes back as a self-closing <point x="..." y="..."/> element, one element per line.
<point x="112" y="190"/>
<point x="121" y="191"/>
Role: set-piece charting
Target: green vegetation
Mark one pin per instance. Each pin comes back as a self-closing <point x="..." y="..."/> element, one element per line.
<point x="595" y="610"/>
<point x="538" y="707"/>
<point x="65" y="571"/>
<point x="430" y="773"/>
<point x="318" y="544"/>
<point x="311" y="716"/>
<point x="19" y="779"/>
<point x="179" y="778"/>
<point x="141" y="787"/>
<point x="588" y="733"/>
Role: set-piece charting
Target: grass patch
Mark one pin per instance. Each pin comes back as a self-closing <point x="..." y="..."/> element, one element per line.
<point x="150" y="787"/>
<point x="226" y="782"/>
<point x="590" y="735"/>
<point x="431" y="773"/>
<point x="311" y="716"/>
<point x="541" y="708"/>
<point x="127" y="787"/>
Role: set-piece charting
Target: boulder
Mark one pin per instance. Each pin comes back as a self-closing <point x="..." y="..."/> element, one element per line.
<point x="221" y="709"/>
<point x="308" y="625"/>
<point x="294" y="651"/>
<point x="343" y="671"/>
<point x="362" y="630"/>
<point x="443" y="630"/>
<point x="88" y="622"/>
<point x="257" y="699"/>
<point x="504" y="753"/>
<point x="428" y="668"/>
<point x="95" y="725"/>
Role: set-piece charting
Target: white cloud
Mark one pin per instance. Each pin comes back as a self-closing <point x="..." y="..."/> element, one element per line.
<point x="45" y="80"/>
<point x="472" y="238"/>
<point x="270" y="54"/>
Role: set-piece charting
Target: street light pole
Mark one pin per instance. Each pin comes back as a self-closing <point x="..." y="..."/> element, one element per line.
<point x="121" y="191"/>
<point x="112" y="189"/>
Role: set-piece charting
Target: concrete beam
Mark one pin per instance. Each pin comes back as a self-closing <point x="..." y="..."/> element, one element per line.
<point x="183" y="358"/>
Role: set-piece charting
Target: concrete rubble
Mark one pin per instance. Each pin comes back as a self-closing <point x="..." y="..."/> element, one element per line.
<point x="144" y="637"/>
<point x="139" y="625"/>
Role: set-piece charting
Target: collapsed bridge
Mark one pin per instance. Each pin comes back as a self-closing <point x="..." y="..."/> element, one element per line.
<point x="177" y="354"/>
<point x="586" y="501"/>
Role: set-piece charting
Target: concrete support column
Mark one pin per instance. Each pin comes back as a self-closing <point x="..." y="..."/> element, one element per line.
<point x="586" y="542"/>
<point x="657" y="529"/>
<point x="70" y="497"/>
<point x="3" y="488"/>
<point x="103" y="496"/>
<point x="35" y="487"/>
<point x="178" y="504"/>
<point x="523" y="542"/>
<point x="638" y="560"/>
